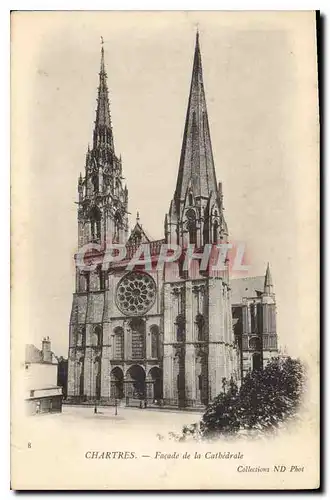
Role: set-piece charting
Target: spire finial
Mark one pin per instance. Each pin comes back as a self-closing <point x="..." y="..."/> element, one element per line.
<point x="197" y="35"/>
<point x="103" y="120"/>
<point x="102" y="56"/>
<point x="137" y="216"/>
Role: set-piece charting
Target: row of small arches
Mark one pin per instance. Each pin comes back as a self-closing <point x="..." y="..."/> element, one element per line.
<point x="138" y="330"/>
<point x="192" y="226"/>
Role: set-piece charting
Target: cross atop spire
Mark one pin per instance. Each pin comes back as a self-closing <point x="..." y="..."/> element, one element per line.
<point x="196" y="161"/>
<point x="103" y="129"/>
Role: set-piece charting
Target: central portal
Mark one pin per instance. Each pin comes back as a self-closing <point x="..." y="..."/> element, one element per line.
<point x="136" y="382"/>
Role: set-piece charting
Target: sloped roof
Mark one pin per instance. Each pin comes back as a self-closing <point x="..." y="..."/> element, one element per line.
<point x="32" y="354"/>
<point x="246" y="287"/>
<point x="35" y="355"/>
<point x="139" y="233"/>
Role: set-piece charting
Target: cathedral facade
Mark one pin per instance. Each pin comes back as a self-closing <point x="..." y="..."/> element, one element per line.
<point x="175" y="334"/>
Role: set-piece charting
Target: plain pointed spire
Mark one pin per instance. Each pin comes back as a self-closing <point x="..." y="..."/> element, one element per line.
<point x="268" y="286"/>
<point x="196" y="160"/>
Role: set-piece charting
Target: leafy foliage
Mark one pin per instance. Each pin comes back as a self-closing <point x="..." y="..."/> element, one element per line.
<point x="266" y="398"/>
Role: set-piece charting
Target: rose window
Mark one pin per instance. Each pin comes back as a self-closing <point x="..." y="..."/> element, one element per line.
<point x="136" y="294"/>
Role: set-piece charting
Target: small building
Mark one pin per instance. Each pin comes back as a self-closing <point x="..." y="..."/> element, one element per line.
<point x="43" y="395"/>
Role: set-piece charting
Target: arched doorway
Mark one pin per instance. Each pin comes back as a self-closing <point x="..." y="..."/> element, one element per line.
<point x="136" y="382"/>
<point x="117" y="383"/>
<point x="156" y="384"/>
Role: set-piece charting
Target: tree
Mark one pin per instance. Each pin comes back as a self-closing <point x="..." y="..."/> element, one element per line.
<point x="266" y="397"/>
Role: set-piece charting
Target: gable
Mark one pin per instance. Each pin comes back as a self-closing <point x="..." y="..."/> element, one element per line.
<point x="246" y="287"/>
<point x="138" y="235"/>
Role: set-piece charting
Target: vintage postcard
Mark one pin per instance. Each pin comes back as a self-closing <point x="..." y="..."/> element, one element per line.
<point x="165" y="258"/>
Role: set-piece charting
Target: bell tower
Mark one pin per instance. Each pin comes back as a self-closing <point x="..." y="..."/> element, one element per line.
<point x="102" y="220"/>
<point x="199" y="351"/>
<point x="196" y="210"/>
<point x="102" y="212"/>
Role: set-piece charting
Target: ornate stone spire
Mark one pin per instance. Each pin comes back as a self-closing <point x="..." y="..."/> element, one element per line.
<point x="103" y="130"/>
<point x="196" y="162"/>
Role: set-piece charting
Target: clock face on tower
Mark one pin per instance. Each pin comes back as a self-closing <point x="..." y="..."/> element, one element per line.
<point x="136" y="294"/>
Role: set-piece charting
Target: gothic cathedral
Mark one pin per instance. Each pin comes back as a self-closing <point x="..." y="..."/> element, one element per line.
<point x="170" y="336"/>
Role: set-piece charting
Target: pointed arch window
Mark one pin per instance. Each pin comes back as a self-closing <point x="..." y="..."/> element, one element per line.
<point x="118" y="343"/>
<point x="138" y="331"/>
<point x="192" y="226"/>
<point x="98" y="331"/>
<point x="95" y="181"/>
<point x="200" y="322"/>
<point x="102" y="279"/>
<point x="215" y="231"/>
<point x="117" y="222"/>
<point x="190" y="199"/>
<point x="84" y="282"/>
<point x="253" y="318"/>
<point x="95" y="217"/>
<point x="180" y="328"/>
